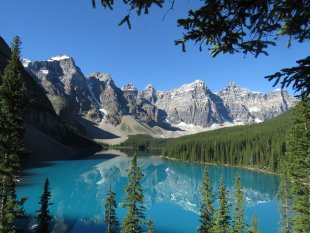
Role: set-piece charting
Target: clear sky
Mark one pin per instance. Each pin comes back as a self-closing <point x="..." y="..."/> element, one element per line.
<point x="146" y="54"/>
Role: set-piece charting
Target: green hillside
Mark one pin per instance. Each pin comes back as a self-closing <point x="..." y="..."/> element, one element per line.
<point x="260" y="145"/>
<point x="144" y="142"/>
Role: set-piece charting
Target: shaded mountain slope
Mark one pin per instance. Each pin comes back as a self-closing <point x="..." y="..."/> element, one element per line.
<point x="40" y="117"/>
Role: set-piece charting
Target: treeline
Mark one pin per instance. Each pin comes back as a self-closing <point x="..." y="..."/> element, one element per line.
<point x="260" y="146"/>
<point x="144" y="142"/>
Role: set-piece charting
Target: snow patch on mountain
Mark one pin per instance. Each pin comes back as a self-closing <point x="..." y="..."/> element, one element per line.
<point x="44" y="71"/>
<point x="59" y="58"/>
<point x="25" y="62"/>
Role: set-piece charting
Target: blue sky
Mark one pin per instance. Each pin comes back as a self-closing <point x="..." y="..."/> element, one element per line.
<point x="146" y="54"/>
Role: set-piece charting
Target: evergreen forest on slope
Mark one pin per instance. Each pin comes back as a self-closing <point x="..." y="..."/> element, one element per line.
<point x="260" y="146"/>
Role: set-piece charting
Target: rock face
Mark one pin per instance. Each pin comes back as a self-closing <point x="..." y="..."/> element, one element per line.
<point x="59" y="76"/>
<point x="193" y="104"/>
<point x="108" y="97"/>
<point x="246" y="106"/>
<point x="43" y="126"/>
<point x="97" y="97"/>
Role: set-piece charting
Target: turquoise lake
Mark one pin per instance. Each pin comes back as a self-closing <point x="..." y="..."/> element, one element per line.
<point x="171" y="192"/>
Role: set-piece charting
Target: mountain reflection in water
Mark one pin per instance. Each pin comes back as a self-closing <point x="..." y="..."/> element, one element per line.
<point x="171" y="192"/>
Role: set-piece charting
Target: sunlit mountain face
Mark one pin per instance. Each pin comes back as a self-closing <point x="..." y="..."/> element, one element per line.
<point x="170" y="188"/>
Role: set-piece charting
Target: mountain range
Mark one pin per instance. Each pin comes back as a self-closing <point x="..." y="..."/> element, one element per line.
<point x="97" y="99"/>
<point x="67" y="108"/>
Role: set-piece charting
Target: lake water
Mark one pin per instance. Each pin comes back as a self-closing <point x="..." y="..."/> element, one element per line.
<point x="171" y="192"/>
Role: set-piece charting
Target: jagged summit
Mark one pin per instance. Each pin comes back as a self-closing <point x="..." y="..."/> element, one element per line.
<point x="59" y="57"/>
<point x="234" y="88"/>
<point x="232" y="84"/>
<point x="129" y="87"/>
<point x="189" y="104"/>
<point x="105" y="77"/>
<point x="25" y="62"/>
<point x="196" y="83"/>
<point x="149" y="87"/>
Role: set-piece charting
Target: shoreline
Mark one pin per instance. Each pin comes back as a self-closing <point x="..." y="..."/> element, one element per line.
<point x="224" y="165"/>
<point x="215" y="164"/>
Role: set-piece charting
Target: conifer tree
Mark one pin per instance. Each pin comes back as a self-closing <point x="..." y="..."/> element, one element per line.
<point x="44" y="217"/>
<point x="110" y="214"/>
<point x="239" y="218"/>
<point x="285" y="201"/>
<point x="134" y="200"/>
<point x="298" y="163"/>
<point x="150" y="227"/>
<point x="12" y="100"/>
<point x="207" y="208"/>
<point x="254" y="225"/>
<point x="222" y="218"/>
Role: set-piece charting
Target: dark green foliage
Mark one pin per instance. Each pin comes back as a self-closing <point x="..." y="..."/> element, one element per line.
<point x="239" y="218"/>
<point x="44" y="216"/>
<point x="246" y="26"/>
<point x="207" y="208"/>
<point x="298" y="164"/>
<point x="150" y="227"/>
<point x="298" y="75"/>
<point x="144" y="142"/>
<point x="222" y="219"/>
<point x="138" y="5"/>
<point x="12" y="100"/>
<point x="285" y="205"/>
<point x="254" y="225"/>
<point x="110" y="214"/>
<point x="260" y="146"/>
<point x="12" y="211"/>
<point x="134" y="200"/>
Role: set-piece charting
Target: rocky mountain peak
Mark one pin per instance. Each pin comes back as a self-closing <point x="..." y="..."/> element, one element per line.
<point x="149" y="87"/>
<point x="197" y="84"/>
<point x="232" y="85"/>
<point x="233" y="89"/>
<point x="59" y="57"/>
<point x="190" y="104"/>
<point x="60" y="76"/>
<point x="26" y="62"/>
<point x="129" y="87"/>
<point x="66" y="63"/>
<point x="149" y="94"/>
<point x="104" y="77"/>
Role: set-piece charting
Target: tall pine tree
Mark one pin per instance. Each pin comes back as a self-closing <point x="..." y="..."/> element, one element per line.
<point x="222" y="219"/>
<point x="110" y="214"/>
<point x="207" y="208"/>
<point x="134" y="200"/>
<point x="239" y="218"/>
<point x="298" y="164"/>
<point x="44" y="217"/>
<point x="285" y="201"/>
<point x="254" y="225"/>
<point x="150" y="227"/>
<point x="12" y="101"/>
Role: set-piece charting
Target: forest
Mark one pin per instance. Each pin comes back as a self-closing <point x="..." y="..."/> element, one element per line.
<point x="260" y="146"/>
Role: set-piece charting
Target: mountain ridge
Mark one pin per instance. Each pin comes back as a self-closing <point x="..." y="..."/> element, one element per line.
<point x="96" y="97"/>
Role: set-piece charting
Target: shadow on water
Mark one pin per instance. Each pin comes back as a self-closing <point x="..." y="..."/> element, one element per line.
<point x="97" y="156"/>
